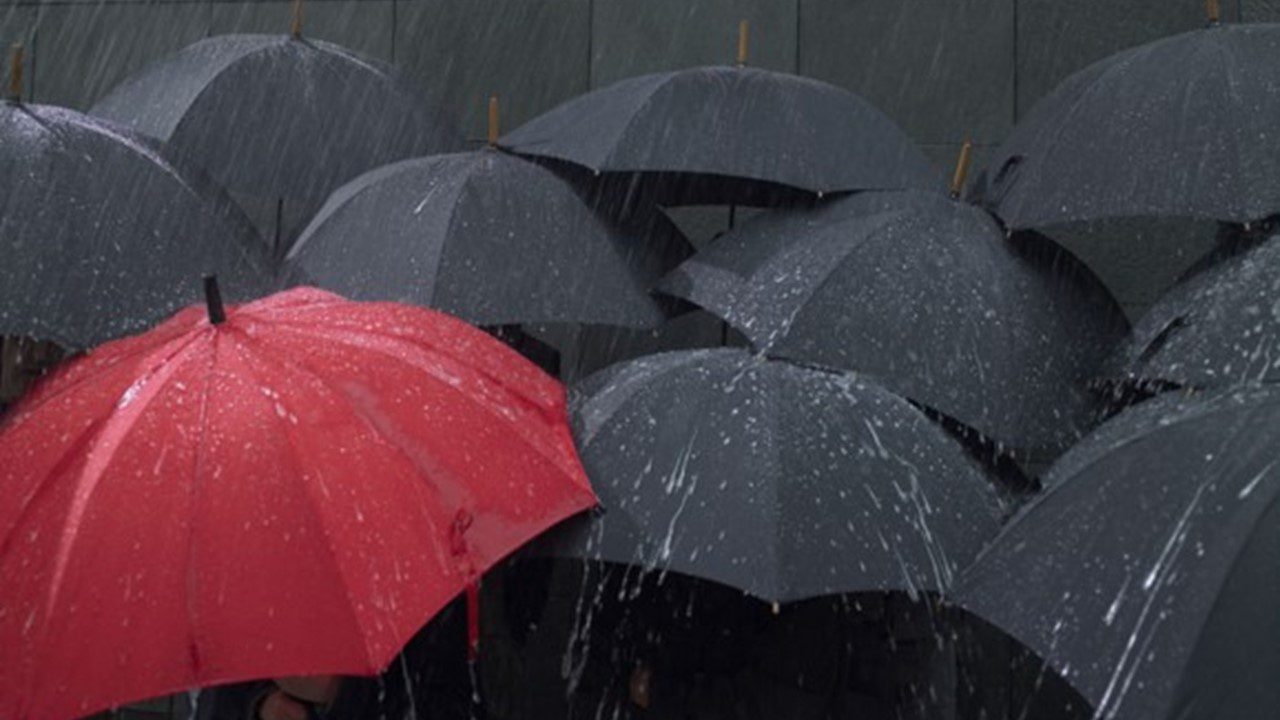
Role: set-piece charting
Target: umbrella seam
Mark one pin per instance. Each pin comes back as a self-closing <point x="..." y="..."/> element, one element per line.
<point x="330" y="545"/>
<point x="1059" y="127"/>
<point x="39" y="401"/>
<point x="538" y="410"/>
<point x="1226" y="576"/>
<point x="88" y="436"/>
<point x="880" y="220"/>
<point x="374" y="176"/>
<point x="197" y="470"/>
<point x="1194" y="413"/>
<point x="626" y="129"/>
<point x="69" y="540"/>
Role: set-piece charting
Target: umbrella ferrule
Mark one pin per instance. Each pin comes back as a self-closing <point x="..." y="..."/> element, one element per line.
<point x="1213" y="12"/>
<point x="15" y="73"/>
<point x="962" y="170"/>
<point x="744" y="33"/>
<point x="493" y="121"/>
<point x="213" y="300"/>
<point x="295" y="24"/>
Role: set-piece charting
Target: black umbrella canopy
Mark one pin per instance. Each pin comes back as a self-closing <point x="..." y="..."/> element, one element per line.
<point x="1180" y="127"/>
<point x="928" y="296"/>
<point x="724" y="133"/>
<point x="102" y="235"/>
<point x="782" y="481"/>
<point x="1147" y="575"/>
<point x="1218" y="328"/>
<point x="490" y="238"/>
<point x="278" y="116"/>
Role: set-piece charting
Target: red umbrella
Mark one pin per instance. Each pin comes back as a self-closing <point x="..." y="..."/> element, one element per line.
<point x="295" y="490"/>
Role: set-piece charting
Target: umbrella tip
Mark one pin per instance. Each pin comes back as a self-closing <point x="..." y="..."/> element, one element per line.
<point x="15" y="72"/>
<point x="213" y="300"/>
<point x="1213" y="9"/>
<point x="962" y="170"/>
<point x="493" y="120"/>
<point x="295" y="29"/>
<point x="744" y="32"/>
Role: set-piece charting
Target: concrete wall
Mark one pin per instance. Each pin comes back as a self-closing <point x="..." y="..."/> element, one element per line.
<point x="946" y="70"/>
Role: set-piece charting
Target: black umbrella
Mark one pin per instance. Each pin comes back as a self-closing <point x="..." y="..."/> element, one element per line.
<point x="485" y="236"/>
<point x="275" y="116"/>
<point x="782" y="481"/>
<point x="728" y="135"/>
<point x="103" y="235"/>
<point x="1183" y="126"/>
<point x="928" y="296"/>
<point x="1148" y="576"/>
<point x="1219" y="328"/>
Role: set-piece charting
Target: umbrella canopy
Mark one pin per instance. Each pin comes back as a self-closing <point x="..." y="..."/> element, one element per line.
<point x="277" y="116"/>
<point x="485" y="236"/>
<point x="103" y="235"/>
<point x="295" y="490"/>
<point x="929" y="297"/>
<point x="725" y="132"/>
<point x="1181" y="126"/>
<point x="783" y="481"/>
<point x="1218" y="328"/>
<point x="1146" y="576"/>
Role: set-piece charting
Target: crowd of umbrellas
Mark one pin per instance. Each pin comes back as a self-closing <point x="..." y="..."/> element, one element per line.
<point x="853" y="393"/>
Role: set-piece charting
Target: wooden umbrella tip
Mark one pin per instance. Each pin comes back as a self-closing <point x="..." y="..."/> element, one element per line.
<point x="295" y="28"/>
<point x="15" y="72"/>
<point x="1213" y="10"/>
<point x="744" y="34"/>
<point x="494" y="124"/>
<point x="962" y="169"/>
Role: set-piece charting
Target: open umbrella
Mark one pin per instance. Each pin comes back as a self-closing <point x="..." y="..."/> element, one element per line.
<point x="929" y="297"/>
<point x="783" y="481"/>
<point x="728" y="135"/>
<point x="485" y="236"/>
<point x="279" y="116"/>
<point x="293" y="490"/>
<point x="1218" y="328"/>
<point x="102" y="232"/>
<point x="1178" y="127"/>
<point x="1147" y="574"/>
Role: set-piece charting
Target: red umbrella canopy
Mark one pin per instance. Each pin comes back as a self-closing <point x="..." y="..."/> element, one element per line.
<point x="295" y="490"/>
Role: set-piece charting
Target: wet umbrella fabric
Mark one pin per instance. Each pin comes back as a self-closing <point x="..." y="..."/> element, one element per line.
<point x="779" y="480"/>
<point x="104" y="235"/>
<point x="293" y="491"/>
<point x="1219" y="328"/>
<point x="927" y="296"/>
<point x="1178" y="127"/>
<point x="1146" y="576"/>
<point x="279" y="117"/>
<point x="734" y="127"/>
<point x="485" y="236"/>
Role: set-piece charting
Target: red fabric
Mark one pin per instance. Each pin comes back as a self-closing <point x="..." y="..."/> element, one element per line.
<point x="294" y="491"/>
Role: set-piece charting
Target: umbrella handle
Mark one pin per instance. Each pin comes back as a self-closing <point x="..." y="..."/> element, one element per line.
<point x="314" y="711"/>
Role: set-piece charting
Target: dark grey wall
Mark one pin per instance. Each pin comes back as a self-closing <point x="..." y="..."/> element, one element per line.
<point x="946" y="70"/>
